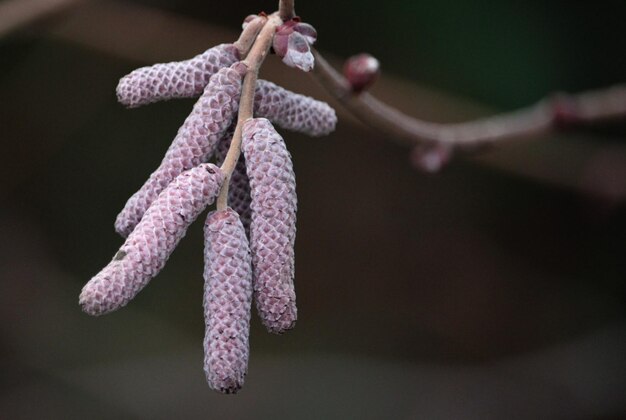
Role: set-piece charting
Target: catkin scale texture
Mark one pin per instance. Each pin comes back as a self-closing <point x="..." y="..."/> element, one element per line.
<point x="284" y="108"/>
<point x="293" y="111"/>
<point x="239" y="188"/>
<point x="178" y="79"/>
<point x="273" y="225"/>
<point x="148" y="247"/>
<point x="227" y="301"/>
<point x="194" y="144"/>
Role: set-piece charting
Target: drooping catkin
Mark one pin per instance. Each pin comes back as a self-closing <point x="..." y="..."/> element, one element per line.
<point x="178" y="79"/>
<point x="239" y="188"/>
<point x="282" y="107"/>
<point x="273" y="226"/>
<point x="195" y="142"/>
<point x="293" y="111"/>
<point x="149" y="246"/>
<point x="227" y="301"/>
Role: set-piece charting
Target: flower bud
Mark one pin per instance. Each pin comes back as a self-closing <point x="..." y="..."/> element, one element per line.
<point x="361" y="71"/>
<point x="431" y="157"/>
<point x="564" y="111"/>
<point x="298" y="53"/>
<point x="281" y="39"/>
<point x="273" y="226"/>
<point x="308" y="31"/>
<point x="227" y="301"/>
<point x="293" y="111"/>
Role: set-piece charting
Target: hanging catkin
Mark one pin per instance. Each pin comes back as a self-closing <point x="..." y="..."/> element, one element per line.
<point x="227" y="301"/>
<point x="273" y="226"/>
<point x="178" y="79"/>
<point x="149" y="246"/>
<point x="195" y="142"/>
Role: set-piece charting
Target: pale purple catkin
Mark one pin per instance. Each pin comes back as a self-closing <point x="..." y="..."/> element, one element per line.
<point x="273" y="227"/>
<point x="293" y="111"/>
<point x="149" y="246"/>
<point x="195" y="142"/>
<point x="239" y="188"/>
<point x="178" y="79"/>
<point x="227" y="301"/>
<point x="286" y="109"/>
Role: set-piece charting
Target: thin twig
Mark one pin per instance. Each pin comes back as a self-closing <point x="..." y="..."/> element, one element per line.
<point x="15" y="14"/>
<point x="286" y="9"/>
<point x="249" y="34"/>
<point x="253" y="62"/>
<point x="561" y="110"/>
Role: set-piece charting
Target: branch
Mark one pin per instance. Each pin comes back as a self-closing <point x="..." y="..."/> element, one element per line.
<point x="561" y="110"/>
<point x="286" y="10"/>
<point x="17" y="13"/>
<point x="253" y="61"/>
<point x="249" y="34"/>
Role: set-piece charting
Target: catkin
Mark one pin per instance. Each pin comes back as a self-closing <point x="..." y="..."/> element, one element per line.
<point x="149" y="246"/>
<point x="293" y="111"/>
<point x="273" y="226"/>
<point x="194" y="144"/>
<point x="227" y="301"/>
<point x="178" y="79"/>
<point x="239" y="188"/>
<point x="286" y="109"/>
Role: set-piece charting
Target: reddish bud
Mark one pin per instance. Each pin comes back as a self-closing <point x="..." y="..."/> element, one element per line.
<point x="564" y="111"/>
<point x="308" y="31"/>
<point x="280" y="43"/>
<point x="284" y="31"/>
<point x="361" y="71"/>
<point x="431" y="157"/>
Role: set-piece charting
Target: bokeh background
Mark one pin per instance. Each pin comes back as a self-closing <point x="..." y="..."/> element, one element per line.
<point x="492" y="290"/>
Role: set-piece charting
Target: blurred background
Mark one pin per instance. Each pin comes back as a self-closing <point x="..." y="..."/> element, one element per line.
<point x="491" y="290"/>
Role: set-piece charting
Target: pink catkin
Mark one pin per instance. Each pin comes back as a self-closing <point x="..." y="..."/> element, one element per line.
<point x="239" y="188"/>
<point x="149" y="246"/>
<point x="286" y="109"/>
<point x="292" y="111"/>
<point x="179" y="79"/>
<point x="227" y="301"/>
<point x="273" y="227"/>
<point x="194" y="144"/>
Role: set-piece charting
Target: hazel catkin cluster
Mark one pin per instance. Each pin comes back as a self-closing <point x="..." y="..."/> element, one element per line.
<point x="249" y="245"/>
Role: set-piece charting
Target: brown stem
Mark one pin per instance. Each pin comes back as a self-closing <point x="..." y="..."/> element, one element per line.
<point x="286" y="9"/>
<point x="545" y="115"/>
<point x="248" y="35"/>
<point x="253" y="61"/>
